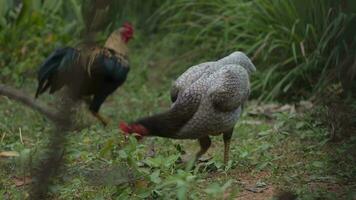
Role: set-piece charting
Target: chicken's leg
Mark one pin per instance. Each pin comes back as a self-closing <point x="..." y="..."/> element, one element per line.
<point x="95" y="104"/>
<point x="227" y="137"/>
<point x="100" y="118"/>
<point x="205" y="143"/>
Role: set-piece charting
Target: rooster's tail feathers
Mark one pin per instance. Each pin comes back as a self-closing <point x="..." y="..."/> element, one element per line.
<point x="58" y="60"/>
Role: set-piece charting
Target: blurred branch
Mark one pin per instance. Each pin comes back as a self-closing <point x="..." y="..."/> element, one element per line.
<point x="28" y="101"/>
<point x="96" y="18"/>
<point x="48" y="167"/>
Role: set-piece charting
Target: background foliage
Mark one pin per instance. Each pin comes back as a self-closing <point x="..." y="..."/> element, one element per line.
<point x="300" y="47"/>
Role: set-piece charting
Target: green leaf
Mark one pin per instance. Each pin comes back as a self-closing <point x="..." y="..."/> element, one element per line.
<point x="108" y="146"/>
<point x="154" y="177"/>
<point x="318" y="164"/>
<point x="264" y="133"/>
<point x="300" y="125"/>
<point x="123" y="154"/>
<point x="244" y="154"/>
<point x="181" y="192"/>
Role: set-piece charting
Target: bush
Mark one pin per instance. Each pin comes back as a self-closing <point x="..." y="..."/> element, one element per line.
<point x="29" y="31"/>
<point x="299" y="46"/>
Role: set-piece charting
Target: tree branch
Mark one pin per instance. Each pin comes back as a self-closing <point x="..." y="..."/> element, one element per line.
<point x="47" y="168"/>
<point x="28" y="101"/>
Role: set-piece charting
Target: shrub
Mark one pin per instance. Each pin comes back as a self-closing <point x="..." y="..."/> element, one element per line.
<point x="30" y="30"/>
<point x="299" y="46"/>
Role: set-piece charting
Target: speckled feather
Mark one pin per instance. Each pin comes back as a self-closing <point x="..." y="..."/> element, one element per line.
<point x="215" y="93"/>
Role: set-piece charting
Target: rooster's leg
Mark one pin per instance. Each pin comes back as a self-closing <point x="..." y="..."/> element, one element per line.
<point x="95" y="104"/>
<point x="227" y="138"/>
<point x="100" y="118"/>
<point x="205" y="143"/>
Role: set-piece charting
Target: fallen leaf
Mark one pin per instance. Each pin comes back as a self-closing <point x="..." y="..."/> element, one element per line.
<point x="260" y="184"/>
<point x="9" y="154"/>
<point x="269" y="109"/>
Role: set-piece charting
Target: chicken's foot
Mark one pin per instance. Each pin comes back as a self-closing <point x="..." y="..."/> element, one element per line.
<point x="205" y="143"/>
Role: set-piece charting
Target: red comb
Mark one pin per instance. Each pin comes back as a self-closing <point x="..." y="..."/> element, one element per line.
<point x="124" y="127"/>
<point x="128" y="25"/>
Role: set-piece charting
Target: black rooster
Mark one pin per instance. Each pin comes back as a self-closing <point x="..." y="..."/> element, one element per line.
<point x="91" y="73"/>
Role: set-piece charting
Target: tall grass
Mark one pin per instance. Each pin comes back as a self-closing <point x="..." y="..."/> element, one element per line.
<point x="28" y="31"/>
<point x="299" y="46"/>
<point x="136" y="11"/>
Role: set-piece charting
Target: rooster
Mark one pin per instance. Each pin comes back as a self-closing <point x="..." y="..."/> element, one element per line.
<point x="91" y="73"/>
<point x="207" y="100"/>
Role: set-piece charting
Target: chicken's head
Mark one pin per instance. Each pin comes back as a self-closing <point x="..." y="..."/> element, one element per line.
<point x="239" y="58"/>
<point x="138" y="130"/>
<point x="127" y="32"/>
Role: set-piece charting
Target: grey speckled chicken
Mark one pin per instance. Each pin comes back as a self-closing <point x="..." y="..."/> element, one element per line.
<point x="207" y="99"/>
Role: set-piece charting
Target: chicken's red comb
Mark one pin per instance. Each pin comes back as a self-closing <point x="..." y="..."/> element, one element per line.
<point x="128" y="25"/>
<point x="124" y="127"/>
